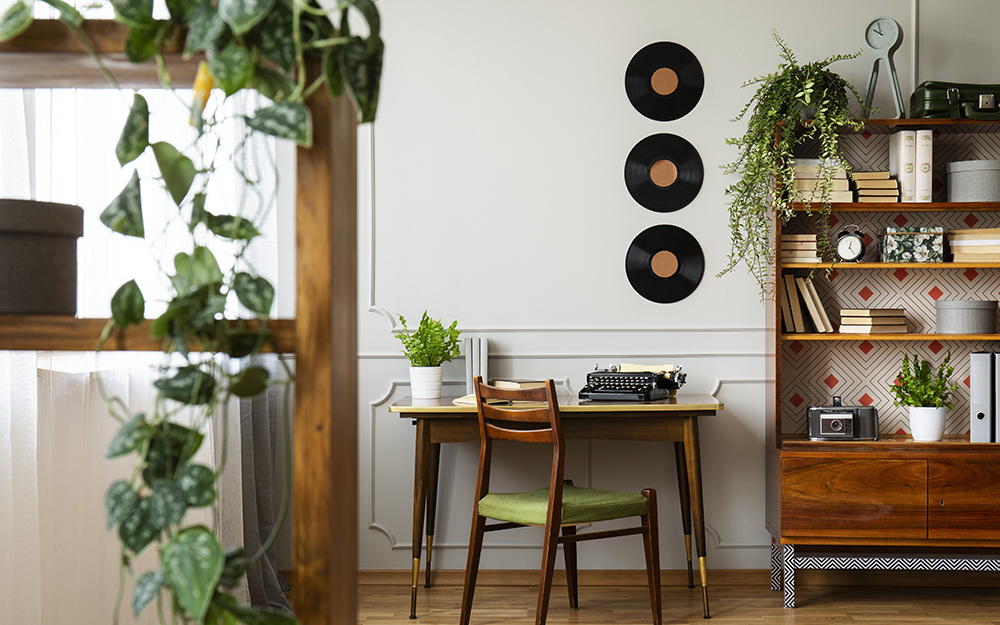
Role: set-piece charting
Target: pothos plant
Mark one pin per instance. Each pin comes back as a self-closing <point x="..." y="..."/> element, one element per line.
<point x="792" y="106"/>
<point x="247" y="44"/>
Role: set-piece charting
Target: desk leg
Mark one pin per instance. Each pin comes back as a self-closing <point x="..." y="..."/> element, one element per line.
<point x="432" y="494"/>
<point x="691" y="449"/>
<point x="685" y="494"/>
<point x="421" y="462"/>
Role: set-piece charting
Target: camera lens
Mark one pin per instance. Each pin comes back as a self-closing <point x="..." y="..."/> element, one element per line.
<point x="837" y="425"/>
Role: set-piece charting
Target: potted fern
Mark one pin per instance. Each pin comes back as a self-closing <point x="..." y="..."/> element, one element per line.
<point x="430" y="345"/>
<point x="927" y="394"/>
<point x="792" y="106"/>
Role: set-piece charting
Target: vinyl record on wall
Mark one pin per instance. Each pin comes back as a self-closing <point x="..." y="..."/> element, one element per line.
<point x="663" y="172"/>
<point x="664" y="81"/>
<point x="664" y="264"/>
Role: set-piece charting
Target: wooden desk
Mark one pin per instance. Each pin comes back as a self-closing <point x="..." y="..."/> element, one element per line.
<point x="669" y="420"/>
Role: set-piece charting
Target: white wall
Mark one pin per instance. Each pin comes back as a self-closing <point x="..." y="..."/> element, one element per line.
<point x="492" y="192"/>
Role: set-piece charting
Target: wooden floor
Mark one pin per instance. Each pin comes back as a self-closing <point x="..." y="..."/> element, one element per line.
<point x="515" y="605"/>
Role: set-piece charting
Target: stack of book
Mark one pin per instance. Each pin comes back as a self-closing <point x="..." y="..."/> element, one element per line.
<point x="810" y="180"/>
<point x="978" y="245"/>
<point x="801" y="307"/>
<point x="799" y="248"/>
<point x="875" y="186"/>
<point x="872" y="321"/>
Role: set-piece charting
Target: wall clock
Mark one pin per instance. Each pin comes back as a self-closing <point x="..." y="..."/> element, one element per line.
<point x="883" y="37"/>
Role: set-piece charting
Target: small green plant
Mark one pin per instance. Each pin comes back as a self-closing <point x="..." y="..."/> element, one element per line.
<point x="922" y="387"/>
<point x="431" y="344"/>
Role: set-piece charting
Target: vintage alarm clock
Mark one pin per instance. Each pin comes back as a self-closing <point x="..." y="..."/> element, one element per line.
<point x="850" y="245"/>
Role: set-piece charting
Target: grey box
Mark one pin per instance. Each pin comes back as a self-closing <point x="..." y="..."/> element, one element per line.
<point x="974" y="181"/>
<point x="966" y="316"/>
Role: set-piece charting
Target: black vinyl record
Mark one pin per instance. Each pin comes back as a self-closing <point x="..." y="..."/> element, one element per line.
<point x="663" y="172"/>
<point x="664" y="264"/>
<point x="664" y="81"/>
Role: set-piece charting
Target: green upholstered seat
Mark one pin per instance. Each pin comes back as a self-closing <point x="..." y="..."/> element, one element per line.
<point x="579" y="505"/>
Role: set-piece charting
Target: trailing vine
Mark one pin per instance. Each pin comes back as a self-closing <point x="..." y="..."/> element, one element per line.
<point x="262" y="45"/>
<point x="794" y="105"/>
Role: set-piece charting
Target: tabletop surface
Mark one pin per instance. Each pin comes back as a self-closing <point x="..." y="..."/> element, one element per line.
<point x="679" y="403"/>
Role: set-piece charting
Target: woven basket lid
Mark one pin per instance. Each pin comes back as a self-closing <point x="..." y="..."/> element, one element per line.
<point x="41" y="218"/>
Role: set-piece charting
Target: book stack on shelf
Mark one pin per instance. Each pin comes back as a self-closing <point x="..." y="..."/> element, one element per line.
<point x="978" y="245"/>
<point x="801" y="308"/>
<point x="911" y="163"/>
<point x="799" y="248"/>
<point x="873" y="321"/>
<point x="875" y="186"/>
<point x="809" y="181"/>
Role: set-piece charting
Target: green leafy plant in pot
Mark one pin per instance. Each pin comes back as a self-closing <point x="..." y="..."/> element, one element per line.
<point x="790" y="107"/>
<point x="427" y="347"/>
<point x="927" y="393"/>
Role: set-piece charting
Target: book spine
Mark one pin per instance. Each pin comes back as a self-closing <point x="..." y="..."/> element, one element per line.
<point x="484" y="357"/>
<point x="470" y="386"/>
<point x="902" y="153"/>
<point x="924" y="159"/>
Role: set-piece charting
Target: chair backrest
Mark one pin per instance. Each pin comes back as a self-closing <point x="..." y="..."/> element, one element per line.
<point x="529" y="415"/>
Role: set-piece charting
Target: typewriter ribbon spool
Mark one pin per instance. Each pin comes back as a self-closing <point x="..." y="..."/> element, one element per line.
<point x="664" y="264"/>
<point x="664" y="81"/>
<point x="663" y="172"/>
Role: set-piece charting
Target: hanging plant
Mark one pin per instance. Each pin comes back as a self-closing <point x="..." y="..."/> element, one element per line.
<point x="792" y="106"/>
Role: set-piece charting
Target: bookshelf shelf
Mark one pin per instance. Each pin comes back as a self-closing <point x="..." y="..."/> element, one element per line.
<point x="904" y="207"/>
<point x="891" y="265"/>
<point x="836" y="336"/>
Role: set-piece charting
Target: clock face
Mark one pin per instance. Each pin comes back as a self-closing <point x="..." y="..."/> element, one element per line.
<point x="882" y="33"/>
<point x="849" y="247"/>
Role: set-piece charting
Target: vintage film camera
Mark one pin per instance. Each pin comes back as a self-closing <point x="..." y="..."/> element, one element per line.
<point x="842" y="423"/>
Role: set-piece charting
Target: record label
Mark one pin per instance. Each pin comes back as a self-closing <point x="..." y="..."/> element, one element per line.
<point x="664" y="81"/>
<point x="664" y="264"/>
<point x="664" y="172"/>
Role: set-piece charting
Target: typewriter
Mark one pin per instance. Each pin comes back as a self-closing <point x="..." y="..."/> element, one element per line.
<point x="626" y="382"/>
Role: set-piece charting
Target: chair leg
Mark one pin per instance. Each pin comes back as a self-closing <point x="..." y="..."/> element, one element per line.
<point x="548" y="565"/>
<point x="569" y="554"/>
<point x="651" y="542"/>
<point x="472" y="566"/>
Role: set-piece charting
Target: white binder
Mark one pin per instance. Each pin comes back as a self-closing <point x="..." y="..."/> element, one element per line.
<point x="982" y="396"/>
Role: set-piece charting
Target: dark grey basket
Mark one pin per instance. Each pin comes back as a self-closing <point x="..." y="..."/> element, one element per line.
<point x="38" y="257"/>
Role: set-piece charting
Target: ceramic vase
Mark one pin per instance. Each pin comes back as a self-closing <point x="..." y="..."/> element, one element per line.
<point x="425" y="382"/>
<point x="927" y="423"/>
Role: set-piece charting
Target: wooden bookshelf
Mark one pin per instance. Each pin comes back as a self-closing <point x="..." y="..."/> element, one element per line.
<point x="836" y="336"/>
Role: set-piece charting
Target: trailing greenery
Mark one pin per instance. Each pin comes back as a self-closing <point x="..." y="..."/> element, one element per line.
<point x="923" y="387"/>
<point x="792" y="106"/>
<point x="247" y="44"/>
<point x="431" y="344"/>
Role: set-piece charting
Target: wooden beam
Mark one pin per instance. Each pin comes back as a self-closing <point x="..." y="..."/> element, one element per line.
<point x="325" y="530"/>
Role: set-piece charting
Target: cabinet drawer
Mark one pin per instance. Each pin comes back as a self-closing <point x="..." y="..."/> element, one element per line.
<point x="963" y="499"/>
<point x="853" y="498"/>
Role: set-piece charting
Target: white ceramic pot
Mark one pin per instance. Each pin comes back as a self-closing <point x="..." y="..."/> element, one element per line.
<point x="927" y="423"/>
<point x="425" y="382"/>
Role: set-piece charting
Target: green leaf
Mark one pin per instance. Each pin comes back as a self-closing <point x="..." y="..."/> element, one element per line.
<point x="140" y="43"/>
<point x="134" y="13"/>
<point x="190" y="385"/>
<point x="275" y="38"/>
<point x="147" y="587"/>
<point x="257" y="615"/>
<point x="285" y="120"/>
<point x="237" y="564"/>
<point x="245" y="342"/>
<point x="196" y="270"/>
<point x="128" y="307"/>
<point x="192" y="564"/>
<point x="232" y="68"/>
<point x="198" y="213"/>
<point x="182" y="11"/>
<point x="67" y="13"/>
<point x="129" y="437"/>
<point x="135" y="135"/>
<point x="250" y="382"/>
<point x="272" y="84"/>
<point x="177" y="170"/>
<point x="197" y="482"/>
<point x="361" y="65"/>
<point x="368" y="9"/>
<point x="171" y="446"/>
<point x="205" y="31"/>
<point x="167" y="504"/>
<point x="217" y="614"/>
<point x="119" y="501"/>
<point x="332" y="71"/>
<point x="124" y="214"/>
<point x="242" y="15"/>
<point x="255" y="293"/>
<point x="136" y="531"/>
<point x="15" y="20"/>
<point x="232" y="227"/>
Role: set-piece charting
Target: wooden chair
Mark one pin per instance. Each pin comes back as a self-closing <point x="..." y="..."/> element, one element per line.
<point x="561" y="505"/>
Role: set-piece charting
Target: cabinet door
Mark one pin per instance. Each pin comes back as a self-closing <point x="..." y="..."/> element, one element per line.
<point x="854" y="498"/>
<point x="963" y="499"/>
